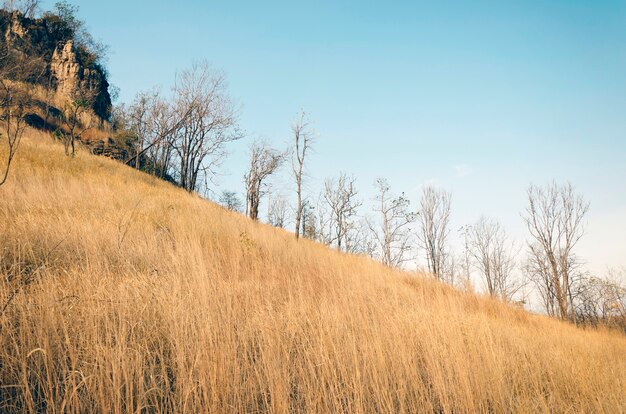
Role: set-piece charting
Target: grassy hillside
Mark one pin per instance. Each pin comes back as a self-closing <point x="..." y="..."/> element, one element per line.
<point x="134" y="295"/>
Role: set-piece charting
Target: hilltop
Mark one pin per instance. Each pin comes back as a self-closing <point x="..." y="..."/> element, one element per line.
<point x="121" y="292"/>
<point x="69" y="64"/>
<point x="57" y="69"/>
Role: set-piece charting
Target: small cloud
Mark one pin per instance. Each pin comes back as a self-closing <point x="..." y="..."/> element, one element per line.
<point x="463" y="170"/>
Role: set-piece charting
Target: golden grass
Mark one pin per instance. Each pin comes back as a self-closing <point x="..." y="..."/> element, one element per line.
<point x="145" y="298"/>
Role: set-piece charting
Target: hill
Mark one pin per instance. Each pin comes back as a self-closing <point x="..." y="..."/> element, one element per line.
<point x="70" y="61"/>
<point x="53" y="78"/>
<point x="120" y="293"/>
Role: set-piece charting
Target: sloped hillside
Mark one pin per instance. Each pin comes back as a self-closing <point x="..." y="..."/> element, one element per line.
<point x="120" y="293"/>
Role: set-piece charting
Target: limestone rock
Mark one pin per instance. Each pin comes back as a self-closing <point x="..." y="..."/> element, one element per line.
<point x="68" y="72"/>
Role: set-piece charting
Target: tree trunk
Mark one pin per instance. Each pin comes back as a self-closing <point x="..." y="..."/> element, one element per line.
<point x="299" y="209"/>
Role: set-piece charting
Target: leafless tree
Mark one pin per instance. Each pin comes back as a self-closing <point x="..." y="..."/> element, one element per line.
<point x="76" y="117"/>
<point x="392" y="233"/>
<point x="208" y="122"/>
<point x="303" y="138"/>
<point x="157" y="122"/>
<point x="277" y="211"/>
<point x="17" y="70"/>
<point x="230" y="201"/>
<point x="492" y="254"/>
<point x="309" y="221"/>
<point x="359" y="240"/>
<point x="141" y="121"/>
<point x="28" y="8"/>
<point x="452" y="269"/>
<point x="264" y="161"/>
<point x="165" y="120"/>
<point x="340" y="196"/>
<point x="120" y="119"/>
<point x="433" y="221"/>
<point x="601" y="300"/>
<point x="537" y="269"/>
<point x="322" y="219"/>
<point x="464" y="261"/>
<point x="554" y="217"/>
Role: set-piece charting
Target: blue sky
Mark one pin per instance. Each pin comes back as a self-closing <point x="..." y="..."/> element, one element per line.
<point x="481" y="98"/>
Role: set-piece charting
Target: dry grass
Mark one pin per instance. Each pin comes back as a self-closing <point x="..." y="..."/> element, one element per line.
<point x="97" y="129"/>
<point x="136" y="296"/>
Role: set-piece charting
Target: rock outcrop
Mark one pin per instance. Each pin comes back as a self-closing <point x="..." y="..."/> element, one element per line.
<point x="71" y="76"/>
<point x="67" y="73"/>
<point x="66" y="70"/>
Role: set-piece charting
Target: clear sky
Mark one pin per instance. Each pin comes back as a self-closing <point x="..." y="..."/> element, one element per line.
<point x="481" y="98"/>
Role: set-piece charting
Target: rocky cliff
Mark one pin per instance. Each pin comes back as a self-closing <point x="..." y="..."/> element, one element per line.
<point x="70" y="76"/>
<point x="70" y="68"/>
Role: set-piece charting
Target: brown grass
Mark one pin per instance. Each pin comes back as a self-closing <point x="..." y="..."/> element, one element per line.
<point x="136" y="296"/>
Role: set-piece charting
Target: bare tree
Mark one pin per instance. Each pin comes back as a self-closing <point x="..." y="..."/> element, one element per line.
<point x="264" y="161"/>
<point x="554" y="217"/>
<point x="309" y="221"/>
<point x="31" y="8"/>
<point x="464" y="261"/>
<point x="433" y="220"/>
<point x="159" y="124"/>
<point x="493" y="257"/>
<point x="17" y="70"/>
<point x="340" y="196"/>
<point x="537" y="269"/>
<point x="141" y="121"/>
<point x="165" y="120"/>
<point x="358" y="238"/>
<point x="277" y="211"/>
<point x="602" y="300"/>
<point x="207" y="123"/>
<point x="452" y="269"/>
<point x="392" y="234"/>
<point x="303" y="138"/>
<point x="323" y="220"/>
<point x="13" y="104"/>
<point x="230" y="201"/>
<point x="28" y="8"/>
<point x="76" y="118"/>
